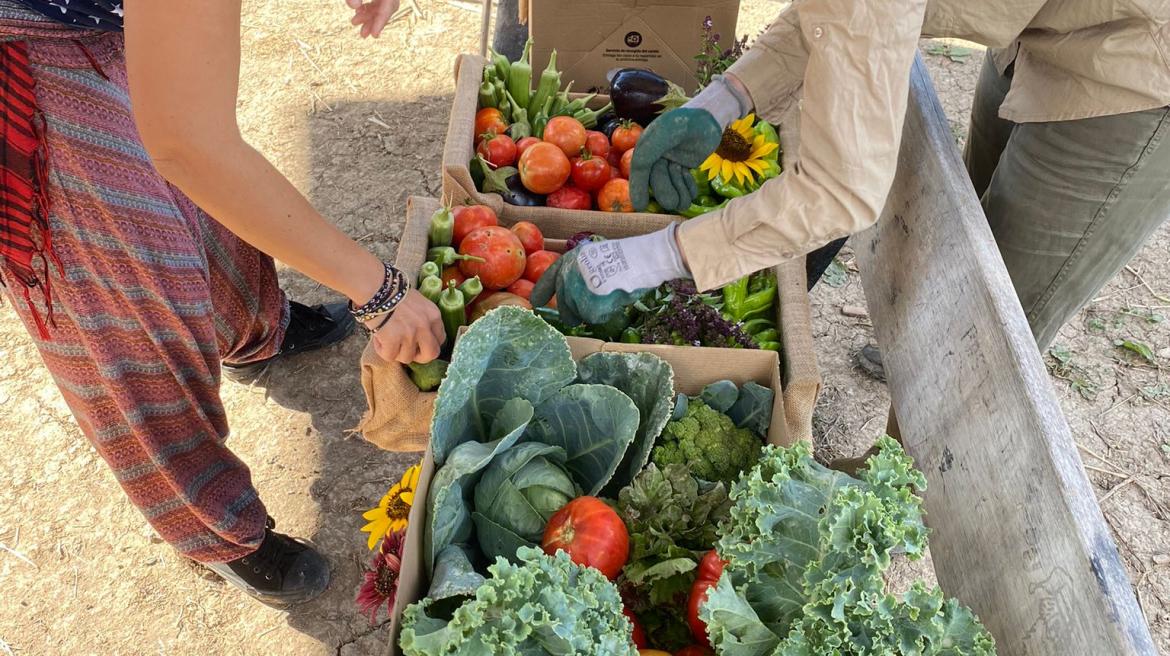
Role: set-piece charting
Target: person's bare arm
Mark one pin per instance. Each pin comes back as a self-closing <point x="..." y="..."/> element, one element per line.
<point x="183" y="60"/>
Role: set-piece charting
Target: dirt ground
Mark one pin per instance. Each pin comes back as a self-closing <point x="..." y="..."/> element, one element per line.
<point x="358" y="127"/>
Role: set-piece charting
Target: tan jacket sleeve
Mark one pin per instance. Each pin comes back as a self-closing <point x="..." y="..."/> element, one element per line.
<point x="856" y="57"/>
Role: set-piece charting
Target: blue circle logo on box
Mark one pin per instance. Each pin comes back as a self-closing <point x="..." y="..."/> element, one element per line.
<point x="634" y="39"/>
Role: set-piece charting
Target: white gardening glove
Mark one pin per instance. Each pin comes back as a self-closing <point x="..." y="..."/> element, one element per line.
<point x="633" y="263"/>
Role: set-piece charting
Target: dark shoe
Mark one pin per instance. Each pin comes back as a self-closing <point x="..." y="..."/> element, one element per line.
<point x="282" y="572"/>
<point x="308" y="328"/>
<point x="869" y="358"/>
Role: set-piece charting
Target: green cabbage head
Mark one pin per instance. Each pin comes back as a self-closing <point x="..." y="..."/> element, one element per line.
<point x="519" y="492"/>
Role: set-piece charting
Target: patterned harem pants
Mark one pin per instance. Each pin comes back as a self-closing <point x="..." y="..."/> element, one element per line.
<point x="150" y="295"/>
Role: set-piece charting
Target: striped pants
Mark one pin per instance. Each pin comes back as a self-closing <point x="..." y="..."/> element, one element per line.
<point x="150" y="296"/>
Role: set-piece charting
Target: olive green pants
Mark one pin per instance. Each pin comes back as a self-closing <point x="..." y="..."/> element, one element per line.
<point x="1069" y="202"/>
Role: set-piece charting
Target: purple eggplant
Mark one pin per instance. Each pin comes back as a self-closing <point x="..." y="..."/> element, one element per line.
<point x="635" y="93"/>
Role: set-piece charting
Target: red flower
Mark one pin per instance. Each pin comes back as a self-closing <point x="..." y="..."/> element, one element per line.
<point x="381" y="584"/>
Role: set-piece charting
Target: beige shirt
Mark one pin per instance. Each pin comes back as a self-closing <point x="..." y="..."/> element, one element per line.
<point x="848" y="60"/>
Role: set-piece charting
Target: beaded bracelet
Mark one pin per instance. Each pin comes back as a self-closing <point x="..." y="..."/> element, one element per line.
<point x="385" y="300"/>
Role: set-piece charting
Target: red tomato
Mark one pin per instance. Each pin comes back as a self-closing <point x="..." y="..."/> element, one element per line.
<point x="470" y="217"/>
<point x="521" y="288"/>
<point x="569" y="198"/>
<point x="695" y="650"/>
<point x="544" y="168"/>
<point x="498" y="149"/>
<point x="524" y="144"/>
<point x="566" y="133"/>
<point x="614" y="158"/>
<point x="452" y="273"/>
<point x="627" y="161"/>
<point x="530" y="236"/>
<point x="615" y="173"/>
<point x="710" y="569"/>
<point x="591" y="533"/>
<point x="639" y="634"/>
<point x="596" y="143"/>
<point x="615" y="197"/>
<point x="626" y="136"/>
<point x="590" y="173"/>
<point x="538" y="263"/>
<point x="489" y="119"/>
<point x="502" y="252"/>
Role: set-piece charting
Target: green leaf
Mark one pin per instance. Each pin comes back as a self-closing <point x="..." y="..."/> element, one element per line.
<point x="517" y="494"/>
<point x="510" y="353"/>
<point x="732" y="624"/>
<point x="753" y="409"/>
<point x="720" y="395"/>
<point x="594" y="424"/>
<point x="1136" y="347"/>
<point x="448" y="501"/>
<point x="454" y="575"/>
<point x="649" y="382"/>
<point x="539" y="605"/>
<point x="835" y="274"/>
<point x="955" y="53"/>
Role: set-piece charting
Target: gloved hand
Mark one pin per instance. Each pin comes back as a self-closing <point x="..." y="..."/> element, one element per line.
<point x="596" y="280"/>
<point x="681" y="140"/>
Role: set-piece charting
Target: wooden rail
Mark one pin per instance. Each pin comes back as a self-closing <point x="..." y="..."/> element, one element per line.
<point x="1016" y="530"/>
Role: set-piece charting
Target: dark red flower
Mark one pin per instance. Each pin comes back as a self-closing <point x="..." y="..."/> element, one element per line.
<point x="381" y="584"/>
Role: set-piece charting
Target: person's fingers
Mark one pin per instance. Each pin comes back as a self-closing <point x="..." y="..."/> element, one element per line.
<point x="386" y="9"/>
<point x="655" y="142"/>
<point x="408" y="347"/>
<point x="678" y="179"/>
<point x="566" y="310"/>
<point x="387" y="346"/>
<point x="547" y="285"/>
<point x="428" y="347"/>
<point x="689" y="180"/>
<point x="435" y="323"/>
<point x="664" y="191"/>
<point x="354" y="4"/>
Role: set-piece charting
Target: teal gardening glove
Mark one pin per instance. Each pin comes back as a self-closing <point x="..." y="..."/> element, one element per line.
<point x="597" y="280"/>
<point x="679" y="141"/>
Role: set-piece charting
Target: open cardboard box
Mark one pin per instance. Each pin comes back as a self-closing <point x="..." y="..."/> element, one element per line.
<point x="593" y="37"/>
<point x="459" y="187"/>
<point x="399" y="414"/>
<point x="693" y="368"/>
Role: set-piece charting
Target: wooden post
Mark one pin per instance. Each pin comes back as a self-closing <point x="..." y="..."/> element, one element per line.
<point x="1016" y="530"/>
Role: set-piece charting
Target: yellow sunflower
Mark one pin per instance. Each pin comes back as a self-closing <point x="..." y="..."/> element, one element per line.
<point x="740" y="153"/>
<point x="393" y="509"/>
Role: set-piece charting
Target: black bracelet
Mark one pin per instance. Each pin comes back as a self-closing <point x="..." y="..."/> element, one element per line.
<point x="393" y="290"/>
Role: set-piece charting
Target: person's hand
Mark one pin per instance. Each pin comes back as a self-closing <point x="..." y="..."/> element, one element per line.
<point x="372" y="16"/>
<point x="679" y="141"/>
<point x="596" y="280"/>
<point x="413" y="334"/>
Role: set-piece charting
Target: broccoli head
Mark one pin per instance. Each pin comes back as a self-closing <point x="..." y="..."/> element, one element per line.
<point x="708" y="443"/>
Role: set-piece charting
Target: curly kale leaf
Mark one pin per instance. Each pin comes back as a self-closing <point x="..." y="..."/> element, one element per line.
<point x="806" y="549"/>
<point x="543" y="605"/>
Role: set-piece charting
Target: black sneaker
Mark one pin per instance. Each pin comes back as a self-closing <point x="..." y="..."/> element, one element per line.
<point x="282" y="572"/>
<point x="308" y="328"/>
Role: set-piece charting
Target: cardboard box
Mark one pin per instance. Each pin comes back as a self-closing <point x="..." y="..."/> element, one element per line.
<point x="592" y="38"/>
<point x="398" y="415"/>
<point x="693" y="368"/>
<point x="458" y="186"/>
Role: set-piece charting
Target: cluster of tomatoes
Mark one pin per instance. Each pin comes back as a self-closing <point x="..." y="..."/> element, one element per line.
<point x="507" y="261"/>
<point x="573" y="168"/>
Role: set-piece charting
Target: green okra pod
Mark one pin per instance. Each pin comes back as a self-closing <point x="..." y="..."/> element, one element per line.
<point x="431" y="287"/>
<point x="520" y="77"/>
<point x="453" y="310"/>
<point x="500" y="66"/>
<point x="442" y="228"/>
<point x="429" y="269"/>
<point x="550" y="83"/>
<point x="471" y="288"/>
<point x="445" y="256"/>
<point x="487" y="95"/>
